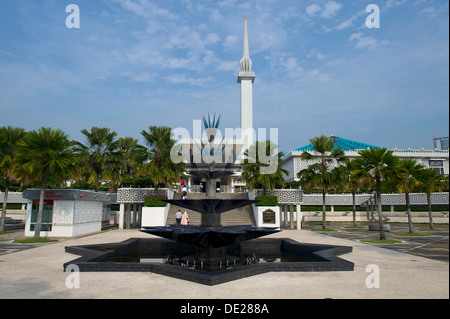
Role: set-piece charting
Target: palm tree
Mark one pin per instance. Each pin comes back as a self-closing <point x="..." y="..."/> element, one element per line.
<point x="430" y="181"/>
<point x="159" y="165"/>
<point x="405" y="179"/>
<point x="100" y="156"/>
<point x="355" y="180"/>
<point x="9" y="137"/>
<point x="40" y="155"/>
<point x="323" y="172"/>
<point x="375" y="165"/>
<point x="262" y="172"/>
<point x="131" y="156"/>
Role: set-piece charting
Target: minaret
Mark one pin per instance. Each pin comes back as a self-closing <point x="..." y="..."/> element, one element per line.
<point x="246" y="77"/>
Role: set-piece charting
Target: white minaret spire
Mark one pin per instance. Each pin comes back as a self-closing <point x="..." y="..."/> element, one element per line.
<point x="246" y="77"/>
<point x="246" y="62"/>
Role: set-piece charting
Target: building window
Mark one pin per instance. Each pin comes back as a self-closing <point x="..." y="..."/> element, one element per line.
<point x="441" y="143"/>
<point x="437" y="165"/>
<point x="47" y="215"/>
<point x="439" y="171"/>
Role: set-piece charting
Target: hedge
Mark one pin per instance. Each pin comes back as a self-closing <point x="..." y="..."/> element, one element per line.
<point x="267" y="200"/>
<point x="154" y="201"/>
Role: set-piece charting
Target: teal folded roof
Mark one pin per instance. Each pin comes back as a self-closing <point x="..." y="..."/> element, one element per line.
<point x="341" y="143"/>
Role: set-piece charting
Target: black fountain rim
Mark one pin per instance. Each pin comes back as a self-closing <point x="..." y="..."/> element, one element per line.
<point x="92" y="256"/>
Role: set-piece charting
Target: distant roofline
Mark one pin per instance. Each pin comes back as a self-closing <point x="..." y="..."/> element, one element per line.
<point x="362" y="146"/>
<point x="341" y="143"/>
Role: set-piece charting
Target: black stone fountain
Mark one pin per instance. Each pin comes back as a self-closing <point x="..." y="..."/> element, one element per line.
<point x="211" y="240"/>
<point x="210" y="253"/>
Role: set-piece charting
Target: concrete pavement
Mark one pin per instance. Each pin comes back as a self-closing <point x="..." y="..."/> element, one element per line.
<point x="434" y="244"/>
<point x="38" y="273"/>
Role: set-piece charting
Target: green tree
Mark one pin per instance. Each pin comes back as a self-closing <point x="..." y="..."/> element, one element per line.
<point x="405" y="180"/>
<point x="40" y="155"/>
<point x="375" y="165"/>
<point x="9" y="138"/>
<point x="429" y="182"/>
<point x="354" y="180"/>
<point x="261" y="166"/>
<point x="132" y="155"/>
<point x="159" y="166"/>
<point x="324" y="171"/>
<point x="99" y="159"/>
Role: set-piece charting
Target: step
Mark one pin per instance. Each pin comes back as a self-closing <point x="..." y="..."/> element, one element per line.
<point x="238" y="216"/>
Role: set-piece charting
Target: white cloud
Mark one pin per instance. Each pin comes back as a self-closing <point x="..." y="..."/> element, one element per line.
<point x="362" y="42"/>
<point x="346" y="24"/>
<point x="393" y="3"/>
<point x="227" y="3"/>
<point x="212" y="38"/>
<point x="181" y="79"/>
<point x="293" y="68"/>
<point x="330" y="9"/>
<point x="315" y="55"/>
<point x="143" y="77"/>
<point x="210" y="58"/>
<point x="230" y="42"/>
<point x="313" y="9"/>
<point x="432" y="12"/>
<point x="232" y="66"/>
<point x="295" y="71"/>
<point x="146" y="9"/>
<point x="176" y="63"/>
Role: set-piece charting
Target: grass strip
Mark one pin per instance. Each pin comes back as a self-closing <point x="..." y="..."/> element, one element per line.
<point x="381" y="241"/>
<point x="34" y="240"/>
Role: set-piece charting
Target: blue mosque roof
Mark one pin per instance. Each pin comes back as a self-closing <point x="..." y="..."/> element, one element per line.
<point x="341" y="143"/>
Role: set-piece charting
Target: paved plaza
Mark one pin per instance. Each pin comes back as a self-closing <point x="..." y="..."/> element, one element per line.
<point x="38" y="273"/>
<point x="433" y="244"/>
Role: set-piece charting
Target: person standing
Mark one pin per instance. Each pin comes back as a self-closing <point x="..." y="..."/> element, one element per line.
<point x="184" y="192"/>
<point x="178" y="217"/>
<point x="185" y="219"/>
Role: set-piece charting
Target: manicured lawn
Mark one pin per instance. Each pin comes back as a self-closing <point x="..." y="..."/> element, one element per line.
<point x="379" y="241"/>
<point x="412" y="234"/>
<point x="322" y="229"/>
<point x="34" y="240"/>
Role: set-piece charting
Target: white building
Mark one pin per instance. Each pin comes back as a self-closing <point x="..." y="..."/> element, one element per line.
<point x="66" y="212"/>
<point x="436" y="159"/>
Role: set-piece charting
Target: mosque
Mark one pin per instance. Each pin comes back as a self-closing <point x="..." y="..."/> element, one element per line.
<point x="75" y="212"/>
<point x="436" y="159"/>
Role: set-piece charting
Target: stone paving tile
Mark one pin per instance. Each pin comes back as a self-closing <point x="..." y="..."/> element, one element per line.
<point x="38" y="273"/>
<point x="434" y="246"/>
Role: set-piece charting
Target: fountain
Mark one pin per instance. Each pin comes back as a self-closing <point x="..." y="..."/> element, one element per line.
<point x="210" y="253"/>
<point x="211" y="239"/>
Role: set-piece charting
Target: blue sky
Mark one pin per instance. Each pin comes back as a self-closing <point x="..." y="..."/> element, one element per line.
<point x="319" y="69"/>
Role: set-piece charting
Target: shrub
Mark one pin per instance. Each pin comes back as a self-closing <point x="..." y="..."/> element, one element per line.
<point x="267" y="200"/>
<point x="154" y="201"/>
